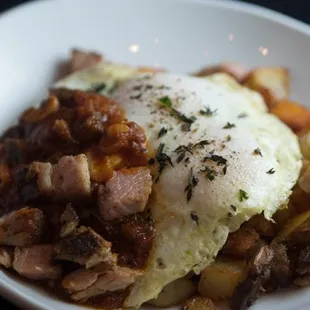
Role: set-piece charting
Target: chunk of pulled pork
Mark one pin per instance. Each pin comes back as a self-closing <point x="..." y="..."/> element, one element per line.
<point x="126" y="193"/>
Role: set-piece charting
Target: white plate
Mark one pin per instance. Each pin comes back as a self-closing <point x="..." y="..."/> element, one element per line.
<point x="181" y="35"/>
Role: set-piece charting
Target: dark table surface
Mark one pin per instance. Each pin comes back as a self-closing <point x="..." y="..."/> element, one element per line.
<point x="295" y="8"/>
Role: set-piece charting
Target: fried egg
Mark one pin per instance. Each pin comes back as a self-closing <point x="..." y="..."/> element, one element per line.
<point x="219" y="159"/>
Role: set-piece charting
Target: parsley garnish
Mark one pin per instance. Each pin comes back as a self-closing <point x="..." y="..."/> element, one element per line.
<point x="167" y="103"/>
<point x="192" y="182"/>
<point x="271" y="171"/>
<point x="242" y="195"/>
<point x="228" y="138"/>
<point x="229" y="126"/>
<point x="201" y="144"/>
<point x="195" y="217"/>
<point x="258" y="152"/>
<point x="207" y="111"/>
<point x="162" y="132"/>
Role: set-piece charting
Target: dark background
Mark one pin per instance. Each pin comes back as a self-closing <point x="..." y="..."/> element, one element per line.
<point x="295" y="8"/>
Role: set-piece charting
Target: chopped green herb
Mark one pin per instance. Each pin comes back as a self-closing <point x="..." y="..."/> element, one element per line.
<point x="216" y="158"/>
<point x="136" y="97"/>
<point x="192" y="182"/>
<point x="228" y="138"/>
<point x="229" y="126"/>
<point x="162" y="132"/>
<point x="234" y="208"/>
<point x="210" y="173"/>
<point x="180" y="157"/>
<point x="98" y="88"/>
<point x="201" y="143"/>
<point x="166" y="101"/>
<point x="162" y="159"/>
<point x="195" y="217"/>
<point x="242" y="195"/>
<point x="207" y="111"/>
<point x="186" y="127"/>
<point x="271" y="171"/>
<point x="257" y="151"/>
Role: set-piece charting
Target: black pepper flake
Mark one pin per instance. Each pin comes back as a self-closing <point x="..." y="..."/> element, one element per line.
<point x="180" y="157"/>
<point x="195" y="217"/>
<point x="242" y="195"/>
<point x="242" y="115"/>
<point x="186" y="127"/>
<point x="229" y="126"/>
<point x="234" y="208"/>
<point x="271" y="171"/>
<point x="257" y="151"/>
<point x="137" y="88"/>
<point x="192" y="182"/>
<point x="207" y="111"/>
<point x="187" y="160"/>
<point x="162" y="132"/>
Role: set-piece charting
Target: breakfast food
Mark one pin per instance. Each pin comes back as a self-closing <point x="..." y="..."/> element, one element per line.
<point x="130" y="186"/>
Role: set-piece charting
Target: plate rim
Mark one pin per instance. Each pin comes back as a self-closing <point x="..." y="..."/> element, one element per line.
<point x="8" y="291"/>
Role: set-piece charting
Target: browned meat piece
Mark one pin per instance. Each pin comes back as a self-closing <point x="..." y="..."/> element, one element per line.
<point x="14" y="152"/>
<point x="81" y="279"/>
<point x="62" y="130"/>
<point x="44" y="173"/>
<point x="69" y="221"/>
<point x="6" y="257"/>
<point x="126" y="193"/>
<point x="81" y="60"/>
<point x="240" y="242"/>
<point x="85" y="247"/>
<point x="280" y="268"/>
<point x="131" y="237"/>
<point x="112" y="280"/>
<point x="22" y="228"/>
<point x="259" y="272"/>
<point x="36" y="262"/>
<point x="71" y="178"/>
<point x="238" y="71"/>
<point x="303" y="261"/>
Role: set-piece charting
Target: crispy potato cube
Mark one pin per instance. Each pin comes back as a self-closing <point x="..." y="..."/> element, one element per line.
<point x="237" y="71"/>
<point x="294" y="115"/>
<point x="174" y="293"/>
<point x="261" y="225"/>
<point x="219" y="280"/>
<point x="199" y="303"/>
<point x="297" y="224"/>
<point x="272" y="83"/>
<point x="240" y="242"/>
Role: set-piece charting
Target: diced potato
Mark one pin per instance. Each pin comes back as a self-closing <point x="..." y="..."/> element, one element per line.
<point x="175" y="293"/>
<point x="296" y="116"/>
<point x="273" y="83"/>
<point x="299" y="223"/>
<point x="304" y="142"/>
<point x="240" y="242"/>
<point x="199" y="303"/>
<point x="238" y="71"/>
<point x="219" y="280"/>
<point x="262" y="226"/>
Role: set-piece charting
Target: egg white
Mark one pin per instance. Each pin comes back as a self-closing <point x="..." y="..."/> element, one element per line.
<point x="183" y="243"/>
